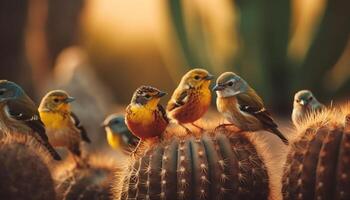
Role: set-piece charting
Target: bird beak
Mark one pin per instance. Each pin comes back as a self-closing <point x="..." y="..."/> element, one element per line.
<point x="209" y="77"/>
<point x="69" y="99"/>
<point x="104" y="125"/>
<point x="161" y="94"/>
<point x="302" y="102"/>
<point x="218" y="87"/>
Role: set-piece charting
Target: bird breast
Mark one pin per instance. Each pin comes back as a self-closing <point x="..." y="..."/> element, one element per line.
<point x="229" y="108"/>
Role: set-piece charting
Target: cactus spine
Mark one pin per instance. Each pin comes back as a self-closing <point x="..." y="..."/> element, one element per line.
<point x="317" y="165"/>
<point x="217" y="165"/>
<point x="90" y="182"/>
<point x="24" y="173"/>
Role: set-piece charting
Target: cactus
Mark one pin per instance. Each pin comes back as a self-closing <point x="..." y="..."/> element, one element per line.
<point x="24" y="173"/>
<point x="215" y="165"/>
<point x="317" y="165"/>
<point x="90" y="182"/>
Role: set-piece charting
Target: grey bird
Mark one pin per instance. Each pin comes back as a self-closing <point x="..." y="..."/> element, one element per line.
<point x="242" y="106"/>
<point x="304" y="103"/>
<point x="19" y="115"/>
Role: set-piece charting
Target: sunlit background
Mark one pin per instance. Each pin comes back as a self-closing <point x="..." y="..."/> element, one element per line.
<point x="101" y="50"/>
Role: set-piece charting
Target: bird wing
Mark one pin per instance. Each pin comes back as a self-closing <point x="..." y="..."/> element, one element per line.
<point x="163" y="112"/>
<point x="83" y="132"/>
<point x="255" y="107"/>
<point x="26" y="111"/>
<point x="178" y="99"/>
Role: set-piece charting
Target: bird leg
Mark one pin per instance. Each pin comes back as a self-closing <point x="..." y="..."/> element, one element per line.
<point x="223" y="126"/>
<point x="195" y="125"/>
<point x="80" y="163"/>
<point x="188" y="131"/>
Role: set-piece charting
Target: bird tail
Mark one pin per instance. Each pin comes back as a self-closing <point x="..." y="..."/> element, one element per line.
<point x="84" y="135"/>
<point x="280" y="135"/>
<point x="50" y="149"/>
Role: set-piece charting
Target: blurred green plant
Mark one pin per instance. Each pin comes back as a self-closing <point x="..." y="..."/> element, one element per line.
<point x="264" y="31"/>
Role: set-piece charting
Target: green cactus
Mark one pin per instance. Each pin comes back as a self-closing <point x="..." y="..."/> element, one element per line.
<point x="317" y="164"/>
<point x="24" y="173"/>
<point x="217" y="165"/>
<point x="90" y="182"/>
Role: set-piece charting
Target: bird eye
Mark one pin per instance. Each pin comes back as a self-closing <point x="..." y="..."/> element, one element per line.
<point x="230" y="83"/>
<point x="56" y="100"/>
<point x="310" y="98"/>
<point x="298" y="100"/>
<point x="147" y="96"/>
<point x="197" y="77"/>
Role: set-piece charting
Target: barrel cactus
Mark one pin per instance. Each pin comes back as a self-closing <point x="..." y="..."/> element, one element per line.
<point x="215" y="165"/>
<point x="24" y="171"/>
<point x="317" y="165"/>
<point x="89" y="182"/>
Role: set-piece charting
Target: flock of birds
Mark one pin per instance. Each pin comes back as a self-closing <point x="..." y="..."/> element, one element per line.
<point x="54" y="124"/>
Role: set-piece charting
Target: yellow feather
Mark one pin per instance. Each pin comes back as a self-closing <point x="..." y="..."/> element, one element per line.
<point x="113" y="139"/>
<point x="53" y="120"/>
<point x="144" y="114"/>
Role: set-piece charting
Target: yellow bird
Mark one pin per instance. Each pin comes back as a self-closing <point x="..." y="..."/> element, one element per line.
<point x="191" y="99"/>
<point x="62" y="125"/>
<point x="118" y="134"/>
<point x="145" y="117"/>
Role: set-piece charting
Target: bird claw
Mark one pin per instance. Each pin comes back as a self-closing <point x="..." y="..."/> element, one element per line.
<point x="200" y="128"/>
<point x="222" y="126"/>
<point x="188" y="131"/>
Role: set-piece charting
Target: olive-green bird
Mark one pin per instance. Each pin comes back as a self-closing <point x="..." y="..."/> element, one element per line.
<point x="242" y="106"/>
<point x="118" y="134"/>
<point x="19" y="115"/>
<point x="304" y="103"/>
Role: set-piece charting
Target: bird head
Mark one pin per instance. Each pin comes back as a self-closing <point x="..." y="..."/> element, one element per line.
<point x="56" y="100"/>
<point x="304" y="99"/>
<point x="10" y="90"/>
<point x="116" y="123"/>
<point x="197" y="78"/>
<point x="117" y="132"/>
<point x="147" y="96"/>
<point x="230" y="84"/>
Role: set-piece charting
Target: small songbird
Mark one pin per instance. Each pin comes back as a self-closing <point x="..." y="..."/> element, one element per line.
<point x="145" y="117"/>
<point x="118" y="134"/>
<point x="191" y="99"/>
<point x="304" y="103"/>
<point x="62" y="125"/>
<point x="19" y="115"/>
<point x="241" y="105"/>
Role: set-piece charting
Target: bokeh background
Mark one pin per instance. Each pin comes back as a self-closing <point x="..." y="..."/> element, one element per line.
<point x="101" y="50"/>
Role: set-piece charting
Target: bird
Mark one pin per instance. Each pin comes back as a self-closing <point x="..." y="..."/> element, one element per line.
<point x="304" y="103"/>
<point x="19" y="115"/>
<point x="62" y="125"/>
<point x="191" y="99"/>
<point x="242" y="106"/>
<point x="118" y="134"/>
<point x="145" y="117"/>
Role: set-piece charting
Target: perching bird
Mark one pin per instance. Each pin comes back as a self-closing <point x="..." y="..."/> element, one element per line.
<point x="191" y="99"/>
<point x="241" y="105"/>
<point x="62" y="125"/>
<point x="19" y="115"/>
<point x="118" y="134"/>
<point x="145" y="117"/>
<point x="304" y="103"/>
